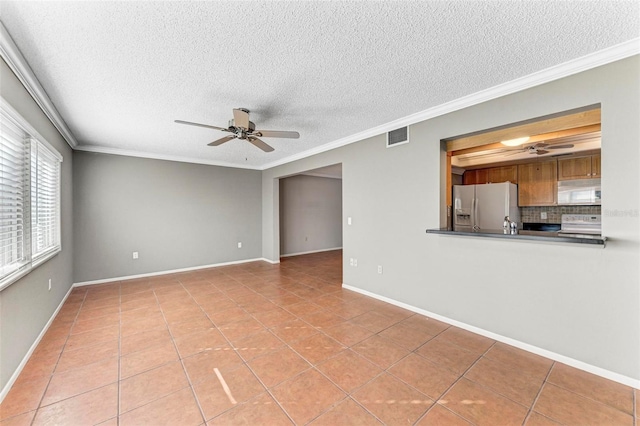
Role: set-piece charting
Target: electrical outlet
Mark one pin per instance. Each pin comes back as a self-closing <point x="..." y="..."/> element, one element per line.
<point x="49" y="284"/>
<point x="349" y="220"/>
<point x="239" y="244"/>
<point x="543" y="215"/>
<point x="355" y="262"/>
<point x="135" y="254"/>
<point x="380" y="269"/>
<point x="351" y="261"/>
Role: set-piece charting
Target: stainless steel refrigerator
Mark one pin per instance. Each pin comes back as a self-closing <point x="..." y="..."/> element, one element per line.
<point x="483" y="207"/>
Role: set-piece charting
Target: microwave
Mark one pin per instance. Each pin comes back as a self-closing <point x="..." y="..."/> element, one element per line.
<point x="579" y="192"/>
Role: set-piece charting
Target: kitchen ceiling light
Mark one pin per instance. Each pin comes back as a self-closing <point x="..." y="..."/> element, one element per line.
<point x="515" y="142"/>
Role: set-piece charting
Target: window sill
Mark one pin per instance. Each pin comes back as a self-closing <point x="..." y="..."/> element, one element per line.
<point x="17" y="275"/>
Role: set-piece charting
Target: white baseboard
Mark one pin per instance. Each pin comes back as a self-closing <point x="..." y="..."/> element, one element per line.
<point x="171" y="271"/>
<point x="273" y="262"/>
<point x="310" y="252"/>
<point x="616" y="377"/>
<point x="25" y="359"/>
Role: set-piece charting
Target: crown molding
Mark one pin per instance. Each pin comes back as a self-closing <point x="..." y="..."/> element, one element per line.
<point x="152" y="156"/>
<point x="575" y="66"/>
<point x="18" y="64"/>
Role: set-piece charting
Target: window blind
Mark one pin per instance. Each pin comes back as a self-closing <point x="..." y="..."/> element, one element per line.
<point x="45" y="200"/>
<point x="14" y="196"/>
<point x="29" y="196"/>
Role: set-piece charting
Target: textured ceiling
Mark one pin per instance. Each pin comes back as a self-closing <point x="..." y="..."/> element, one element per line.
<point x="119" y="73"/>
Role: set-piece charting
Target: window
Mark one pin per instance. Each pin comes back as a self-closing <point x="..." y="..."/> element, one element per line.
<point x="29" y="197"/>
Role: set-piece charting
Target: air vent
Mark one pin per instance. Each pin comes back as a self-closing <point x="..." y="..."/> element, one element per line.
<point x="398" y="137"/>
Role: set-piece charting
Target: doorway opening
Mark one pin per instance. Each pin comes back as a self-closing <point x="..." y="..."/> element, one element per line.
<point x="311" y="211"/>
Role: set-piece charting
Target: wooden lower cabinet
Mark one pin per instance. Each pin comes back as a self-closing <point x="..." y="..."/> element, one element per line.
<point x="538" y="184"/>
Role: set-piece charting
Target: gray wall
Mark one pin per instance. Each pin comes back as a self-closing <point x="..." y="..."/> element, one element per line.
<point x="310" y="214"/>
<point x="579" y="302"/>
<point x="27" y="304"/>
<point x="175" y="215"/>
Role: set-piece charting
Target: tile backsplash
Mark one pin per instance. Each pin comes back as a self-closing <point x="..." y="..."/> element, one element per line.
<point x="554" y="213"/>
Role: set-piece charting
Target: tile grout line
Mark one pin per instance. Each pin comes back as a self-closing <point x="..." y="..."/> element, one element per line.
<point x="535" y="400"/>
<point x="348" y="394"/>
<point x="413" y="352"/>
<point x="635" y="407"/>
<point x="244" y="362"/>
<point x="592" y="399"/>
<point x="58" y="360"/>
<point x="453" y="384"/>
<point x="386" y="370"/>
<point x="288" y="345"/>
<point x="175" y="346"/>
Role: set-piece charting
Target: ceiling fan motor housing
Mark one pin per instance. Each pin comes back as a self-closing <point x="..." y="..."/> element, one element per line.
<point x="239" y="131"/>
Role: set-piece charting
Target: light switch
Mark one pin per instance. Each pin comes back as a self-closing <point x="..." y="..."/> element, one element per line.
<point x="349" y="220"/>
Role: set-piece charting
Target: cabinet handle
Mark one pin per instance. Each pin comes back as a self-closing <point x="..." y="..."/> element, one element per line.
<point x="588" y="174"/>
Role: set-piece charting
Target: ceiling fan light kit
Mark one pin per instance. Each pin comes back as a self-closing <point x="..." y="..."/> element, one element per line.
<point x="515" y="142"/>
<point x="242" y="128"/>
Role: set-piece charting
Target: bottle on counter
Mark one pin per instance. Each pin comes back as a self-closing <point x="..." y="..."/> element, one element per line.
<point x="507" y="223"/>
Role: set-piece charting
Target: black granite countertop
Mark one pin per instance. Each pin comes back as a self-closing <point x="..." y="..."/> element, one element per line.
<point x="545" y="236"/>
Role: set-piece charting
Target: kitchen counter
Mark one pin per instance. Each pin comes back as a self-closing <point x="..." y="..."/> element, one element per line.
<point x="543" y="236"/>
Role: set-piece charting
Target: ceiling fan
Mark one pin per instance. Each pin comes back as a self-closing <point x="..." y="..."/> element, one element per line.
<point x="541" y="148"/>
<point x="242" y="128"/>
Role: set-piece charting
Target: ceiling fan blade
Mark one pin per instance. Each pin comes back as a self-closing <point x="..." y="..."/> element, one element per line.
<point x="541" y="151"/>
<point x="201" y="125"/>
<point x="540" y="145"/>
<point x="260" y="144"/>
<point x="241" y="118"/>
<point x="569" y="145"/>
<point x="222" y="140"/>
<point x="277" y="134"/>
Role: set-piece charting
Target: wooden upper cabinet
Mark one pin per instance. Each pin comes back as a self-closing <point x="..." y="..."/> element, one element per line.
<point x="491" y="175"/>
<point x="595" y="166"/>
<point x="538" y="184"/>
<point x="469" y="177"/>
<point x="503" y="174"/>
<point x="579" y="168"/>
<point x="482" y="176"/>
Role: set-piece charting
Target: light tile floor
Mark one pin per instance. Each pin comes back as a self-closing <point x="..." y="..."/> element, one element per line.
<point x="261" y="344"/>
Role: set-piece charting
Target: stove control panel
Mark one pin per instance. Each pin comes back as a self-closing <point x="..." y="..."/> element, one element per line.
<point x="591" y="219"/>
<point x="581" y="224"/>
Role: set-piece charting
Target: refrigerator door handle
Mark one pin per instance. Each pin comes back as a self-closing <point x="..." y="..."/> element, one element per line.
<point x="507" y="200"/>
<point x="474" y="217"/>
